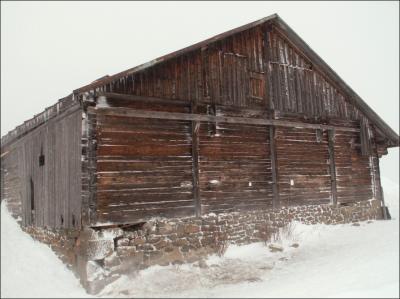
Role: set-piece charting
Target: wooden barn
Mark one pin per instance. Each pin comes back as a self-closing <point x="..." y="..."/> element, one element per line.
<point x="250" y="119"/>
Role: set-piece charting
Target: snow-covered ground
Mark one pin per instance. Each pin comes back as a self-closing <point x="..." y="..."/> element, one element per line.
<point x="331" y="261"/>
<point x="30" y="268"/>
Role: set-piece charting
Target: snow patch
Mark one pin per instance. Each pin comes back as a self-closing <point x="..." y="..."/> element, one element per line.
<point x="31" y="269"/>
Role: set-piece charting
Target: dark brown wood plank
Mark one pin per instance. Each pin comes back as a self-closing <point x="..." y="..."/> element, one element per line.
<point x="332" y="165"/>
<point x="212" y="118"/>
<point x="274" y="169"/>
<point x="195" y="159"/>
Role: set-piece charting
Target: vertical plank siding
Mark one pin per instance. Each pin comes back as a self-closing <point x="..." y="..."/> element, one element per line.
<point x="55" y="184"/>
<point x="11" y="183"/>
<point x="301" y="89"/>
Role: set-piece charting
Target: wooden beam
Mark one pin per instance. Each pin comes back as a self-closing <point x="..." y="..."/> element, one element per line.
<point x="275" y="190"/>
<point x="119" y="111"/>
<point x="332" y="165"/>
<point x="266" y="49"/>
<point x="364" y="138"/>
<point x="146" y="99"/>
<point x="379" y="191"/>
<point x="195" y="163"/>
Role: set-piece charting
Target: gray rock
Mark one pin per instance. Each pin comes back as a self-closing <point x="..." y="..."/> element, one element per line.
<point x="275" y="247"/>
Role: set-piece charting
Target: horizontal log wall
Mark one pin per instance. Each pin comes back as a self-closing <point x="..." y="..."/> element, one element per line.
<point x="353" y="170"/>
<point x="302" y="165"/>
<point x="235" y="165"/>
<point x="144" y="166"/>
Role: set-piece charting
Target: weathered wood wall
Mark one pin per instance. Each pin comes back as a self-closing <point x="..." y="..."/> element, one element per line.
<point x="233" y="71"/>
<point x="297" y="87"/>
<point x="11" y="183"/>
<point x="254" y="73"/>
<point x="110" y="167"/>
<point x="302" y="165"/>
<point x="354" y="177"/>
<point x="46" y="194"/>
<point x="235" y="166"/>
<point x="144" y="166"/>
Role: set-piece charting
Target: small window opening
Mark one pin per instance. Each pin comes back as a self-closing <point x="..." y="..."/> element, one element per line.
<point x="73" y="220"/>
<point x="62" y="219"/>
<point x="41" y="157"/>
<point x="41" y="160"/>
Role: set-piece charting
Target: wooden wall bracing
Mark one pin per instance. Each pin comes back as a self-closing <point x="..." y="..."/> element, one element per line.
<point x="195" y="126"/>
<point x="332" y="164"/>
<point x="85" y="168"/>
<point x="89" y="166"/>
<point x="53" y="188"/>
<point x="374" y="164"/>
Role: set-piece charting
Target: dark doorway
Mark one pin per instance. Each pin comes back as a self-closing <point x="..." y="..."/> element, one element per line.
<point x="32" y="195"/>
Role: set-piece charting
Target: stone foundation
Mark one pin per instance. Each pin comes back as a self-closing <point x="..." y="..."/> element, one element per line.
<point x="101" y="255"/>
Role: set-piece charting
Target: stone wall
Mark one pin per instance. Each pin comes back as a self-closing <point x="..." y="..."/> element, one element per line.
<point x="101" y="255"/>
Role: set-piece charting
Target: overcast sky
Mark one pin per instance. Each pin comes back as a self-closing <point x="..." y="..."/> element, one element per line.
<point x="50" y="48"/>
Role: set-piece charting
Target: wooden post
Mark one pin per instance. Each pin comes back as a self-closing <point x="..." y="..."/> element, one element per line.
<point x="271" y="114"/>
<point x="275" y="189"/>
<point x="332" y="165"/>
<point x="380" y="194"/>
<point x="195" y="163"/>
<point x="266" y="46"/>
